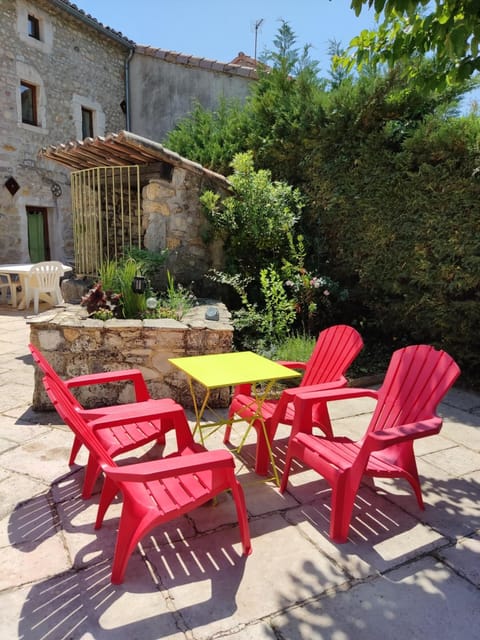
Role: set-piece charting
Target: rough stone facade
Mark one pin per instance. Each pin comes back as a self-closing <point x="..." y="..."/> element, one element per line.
<point x="71" y="65"/>
<point x="76" y="345"/>
<point x="173" y="219"/>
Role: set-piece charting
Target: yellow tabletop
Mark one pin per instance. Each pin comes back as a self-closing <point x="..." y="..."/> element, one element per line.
<point x="229" y="369"/>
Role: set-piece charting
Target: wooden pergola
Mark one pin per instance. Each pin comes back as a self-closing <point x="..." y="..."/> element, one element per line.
<point x="108" y="173"/>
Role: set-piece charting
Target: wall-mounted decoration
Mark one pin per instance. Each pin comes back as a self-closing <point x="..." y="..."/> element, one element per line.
<point x="56" y="189"/>
<point x="12" y="185"/>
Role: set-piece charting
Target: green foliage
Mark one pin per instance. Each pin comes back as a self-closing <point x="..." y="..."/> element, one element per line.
<point x="296" y="348"/>
<point x="175" y="301"/>
<point x="116" y="297"/>
<point x="399" y="212"/>
<point x="114" y="290"/>
<point x="278" y="314"/>
<point x="133" y="304"/>
<point x="313" y="295"/>
<point x="409" y="29"/>
<point x="108" y="275"/>
<point x="151" y="263"/>
<point x="255" y="221"/>
<point x="286" y="108"/>
<point x="260" y="326"/>
<point x="212" y="138"/>
<point x="390" y="177"/>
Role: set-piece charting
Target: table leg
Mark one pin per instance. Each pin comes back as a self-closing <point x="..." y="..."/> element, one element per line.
<point x="199" y="411"/>
<point x="259" y="400"/>
<point x="21" y="302"/>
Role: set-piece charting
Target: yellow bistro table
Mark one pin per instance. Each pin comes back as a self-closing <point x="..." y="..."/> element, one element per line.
<point x="218" y="370"/>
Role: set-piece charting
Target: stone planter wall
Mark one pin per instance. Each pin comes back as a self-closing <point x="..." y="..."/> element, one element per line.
<point x="75" y="344"/>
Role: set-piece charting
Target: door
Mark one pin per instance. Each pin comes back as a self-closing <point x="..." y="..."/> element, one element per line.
<point x="38" y="243"/>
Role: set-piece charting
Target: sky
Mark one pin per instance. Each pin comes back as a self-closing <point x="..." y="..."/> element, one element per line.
<point x="219" y="29"/>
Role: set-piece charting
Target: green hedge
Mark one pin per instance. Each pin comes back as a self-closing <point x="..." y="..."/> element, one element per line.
<point x="401" y="223"/>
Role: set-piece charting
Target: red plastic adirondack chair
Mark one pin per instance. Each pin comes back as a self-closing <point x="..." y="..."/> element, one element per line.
<point x="335" y="350"/>
<point x="157" y="491"/>
<point x="124" y="427"/>
<point x="417" y="379"/>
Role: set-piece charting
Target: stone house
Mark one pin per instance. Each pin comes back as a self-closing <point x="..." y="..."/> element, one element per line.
<point x="61" y="79"/>
<point x="66" y="77"/>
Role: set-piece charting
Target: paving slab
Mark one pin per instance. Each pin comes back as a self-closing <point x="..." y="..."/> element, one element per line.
<point x="381" y="535"/>
<point x="464" y="557"/>
<point x="217" y="589"/>
<point x="423" y="599"/>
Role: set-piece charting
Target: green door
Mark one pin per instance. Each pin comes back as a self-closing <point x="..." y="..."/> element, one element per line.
<point x="38" y="246"/>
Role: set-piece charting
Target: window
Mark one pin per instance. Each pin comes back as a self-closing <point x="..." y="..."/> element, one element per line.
<point x="87" y="123"/>
<point x="33" y="25"/>
<point x="28" y="94"/>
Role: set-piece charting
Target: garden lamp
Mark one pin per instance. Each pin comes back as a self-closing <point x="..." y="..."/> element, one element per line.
<point x="139" y="284"/>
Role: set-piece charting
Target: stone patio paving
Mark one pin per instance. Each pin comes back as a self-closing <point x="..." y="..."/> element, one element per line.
<point x="402" y="574"/>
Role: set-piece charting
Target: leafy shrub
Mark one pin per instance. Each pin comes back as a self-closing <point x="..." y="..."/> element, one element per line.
<point x="255" y="221"/>
<point x="261" y="326"/>
<point x="101" y="304"/>
<point x="174" y="302"/>
<point x="401" y="227"/>
<point x="212" y="138"/>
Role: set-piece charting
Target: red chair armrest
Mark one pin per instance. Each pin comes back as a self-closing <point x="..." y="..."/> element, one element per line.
<point x="292" y="364"/>
<point x="135" y="375"/>
<point x="291" y="394"/>
<point x="168" y="467"/>
<point x="135" y="413"/>
<point x="395" y="435"/>
<point x="305" y="401"/>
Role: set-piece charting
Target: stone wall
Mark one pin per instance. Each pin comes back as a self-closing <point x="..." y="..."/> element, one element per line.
<point x="75" y="344"/>
<point x="173" y="219"/>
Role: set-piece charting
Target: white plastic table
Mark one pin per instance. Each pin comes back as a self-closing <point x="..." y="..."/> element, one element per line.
<point x="22" y="271"/>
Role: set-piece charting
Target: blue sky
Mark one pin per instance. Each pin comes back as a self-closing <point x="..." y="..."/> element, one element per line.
<point x="219" y="29"/>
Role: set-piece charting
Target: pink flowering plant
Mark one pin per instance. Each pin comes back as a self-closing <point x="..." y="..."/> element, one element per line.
<point x="313" y="295"/>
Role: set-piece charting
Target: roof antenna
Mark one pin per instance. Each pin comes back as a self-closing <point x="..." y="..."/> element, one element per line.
<point x="257" y="26"/>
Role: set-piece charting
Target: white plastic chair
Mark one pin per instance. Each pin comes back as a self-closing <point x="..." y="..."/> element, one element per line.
<point x="6" y="283"/>
<point x="44" y="280"/>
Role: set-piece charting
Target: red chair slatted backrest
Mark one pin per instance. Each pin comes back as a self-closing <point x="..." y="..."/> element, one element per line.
<point x="74" y="420"/>
<point x="417" y="379"/>
<point x="49" y="371"/>
<point x="335" y="350"/>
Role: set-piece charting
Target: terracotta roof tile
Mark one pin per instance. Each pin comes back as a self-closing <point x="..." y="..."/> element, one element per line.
<point x="242" y="65"/>
<point x="194" y="61"/>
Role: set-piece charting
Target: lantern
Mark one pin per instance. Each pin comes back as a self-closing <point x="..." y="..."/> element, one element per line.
<point x="139" y="284"/>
